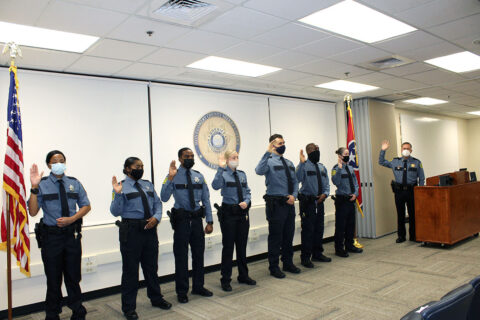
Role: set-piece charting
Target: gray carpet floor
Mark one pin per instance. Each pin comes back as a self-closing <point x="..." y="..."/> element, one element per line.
<point x="384" y="282"/>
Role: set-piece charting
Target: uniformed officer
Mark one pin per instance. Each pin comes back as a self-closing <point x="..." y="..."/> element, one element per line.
<point x="233" y="217"/>
<point x="315" y="189"/>
<point x="343" y="177"/>
<point x="408" y="173"/>
<point x="188" y="188"/>
<point x="282" y="190"/>
<point x="136" y="201"/>
<point x="59" y="233"/>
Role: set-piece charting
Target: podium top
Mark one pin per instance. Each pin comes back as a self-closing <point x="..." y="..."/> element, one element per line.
<point x="458" y="177"/>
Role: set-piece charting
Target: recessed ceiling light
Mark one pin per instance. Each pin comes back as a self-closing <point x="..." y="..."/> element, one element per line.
<point x="346" y="86"/>
<point x="357" y="21"/>
<point x="477" y="113"/>
<point x="458" y="62"/>
<point x="427" y="119"/>
<point x="231" y="66"/>
<point x="425" y="101"/>
<point x="45" y="38"/>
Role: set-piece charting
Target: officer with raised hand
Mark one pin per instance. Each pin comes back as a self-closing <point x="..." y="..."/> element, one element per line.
<point x="136" y="201"/>
<point x="189" y="189"/>
<point x="59" y="233"/>
<point x="343" y="176"/>
<point x="233" y="217"/>
<point x="282" y="190"/>
<point x="315" y="189"/>
<point x="408" y="173"/>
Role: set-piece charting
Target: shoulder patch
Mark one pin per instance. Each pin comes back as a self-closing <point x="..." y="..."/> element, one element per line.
<point x="73" y="178"/>
<point x="334" y="171"/>
<point x="421" y="165"/>
<point x="165" y="181"/>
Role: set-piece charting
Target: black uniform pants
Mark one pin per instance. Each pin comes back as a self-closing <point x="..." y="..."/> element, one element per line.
<point x="188" y="231"/>
<point x="313" y="215"/>
<point x="402" y="198"/>
<point x="140" y="247"/>
<point x="344" y="223"/>
<point x="62" y="257"/>
<point x="234" y="232"/>
<point x="281" y="229"/>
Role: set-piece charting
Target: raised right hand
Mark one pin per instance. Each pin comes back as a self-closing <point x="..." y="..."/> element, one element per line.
<point x="385" y="145"/>
<point x="302" y="157"/>
<point x="340" y="163"/>
<point x="172" y="170"/>
<point x="117" y="186"/>
<point x="222" y="162"/>
<point x="35" y="177"/>
<point x="271" y="147"/>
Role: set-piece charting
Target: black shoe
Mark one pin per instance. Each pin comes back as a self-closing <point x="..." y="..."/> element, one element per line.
<point x="182" y="298"/>
<point x="277" y="273"/>
<point x="355" y="250"/>
<point x="162" y="304"/>
<point x="247" y="280"/>
<point x="307" y="264"/>
<point x="321" y="258"/>
<point x="79" y="314"/>
<point x="342" y="253"/>
<point x="131" y="315"/>
<point x="291" y="268"/>
<point x="53" y="318"/>
<point x="226" y="287"/>
<point x="400" y="240"/>
<point x="203" y="292"/>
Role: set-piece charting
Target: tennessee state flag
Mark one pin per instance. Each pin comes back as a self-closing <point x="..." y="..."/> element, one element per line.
<point x="352" y="148"/>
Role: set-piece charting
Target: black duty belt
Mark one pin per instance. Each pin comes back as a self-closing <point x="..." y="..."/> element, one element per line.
<point x="234" y="209"/>
<point x="397" y="187"/>
<point x="306" y="197"/>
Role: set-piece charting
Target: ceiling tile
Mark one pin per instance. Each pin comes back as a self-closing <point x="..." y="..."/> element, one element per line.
<point x="360" y="55"/>
<point x="312" y="81"/>
<point x="72" y="17"/>
<point x="292" y="10"/>
<point x="409" y="41"/>
<point x="331" y="69"/>
<point x="435" y="77"/>
<point x="22" y="11"/>
<point x="248" y="51"/>
<point x="409" y="69"/>
<point x="329" y="46"/>
<point x="438" y="12"/>
<point x="401" y="84"/>
<point x="434" y="51"/>
<point x="127" y="6"/>
<point x="243" y="23"/>
<point x="134" y="29"/>
<point x="290" y="36"/>
<point x="374" y="78"/>
<point x="101" y="66"/>
<point x="285" y="76"/>
<point x="390" y="7"/>
<point x="287" y="59"/>
<point x="120" y="50"/>
<point x="43" y="59"/>
<point x="171" y="57"/>
<point x="467" y="43"/>
<point x="203" y="42"/>
<point x="145" y="71"/>
<point x="459" y="28"/>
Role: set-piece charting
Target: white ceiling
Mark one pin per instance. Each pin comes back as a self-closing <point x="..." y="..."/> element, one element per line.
<point x="267" y="32"/>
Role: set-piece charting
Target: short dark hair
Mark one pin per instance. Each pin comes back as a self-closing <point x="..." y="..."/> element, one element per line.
<point x="275" y="136"/>
<point x="407" y="143"/>
<point x="128" y="162"/>
<point x="340" y="150"/>
<point x="52" y="153"/>
<point x="181" y="151"/>
<point x="310" y="146"/>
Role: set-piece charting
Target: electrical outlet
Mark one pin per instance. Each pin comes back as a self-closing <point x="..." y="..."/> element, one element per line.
<point x="89" y="264"/>
<point x="253" y="235"/>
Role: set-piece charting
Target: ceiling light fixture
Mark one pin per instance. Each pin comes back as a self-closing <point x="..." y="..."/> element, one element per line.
<point x="346" y="86"/>
<point x="458" y="62"/>
<point x="232" y="66"/>
<point x="425" y="101"/>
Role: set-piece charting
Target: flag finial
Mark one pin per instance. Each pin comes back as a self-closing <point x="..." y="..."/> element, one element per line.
<point x="348" y="97"/>
<point x="15" y="51"/>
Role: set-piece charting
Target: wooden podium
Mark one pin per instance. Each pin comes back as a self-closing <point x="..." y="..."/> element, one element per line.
<point x="448" y="214"/>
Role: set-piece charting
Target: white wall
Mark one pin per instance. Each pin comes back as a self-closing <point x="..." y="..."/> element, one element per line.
<point x="100" y="122"/>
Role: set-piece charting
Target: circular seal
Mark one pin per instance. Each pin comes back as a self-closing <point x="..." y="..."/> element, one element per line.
<point x="215" y="133"/>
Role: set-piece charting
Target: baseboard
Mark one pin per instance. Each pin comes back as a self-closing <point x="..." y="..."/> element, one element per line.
<point x="40" y="306"/>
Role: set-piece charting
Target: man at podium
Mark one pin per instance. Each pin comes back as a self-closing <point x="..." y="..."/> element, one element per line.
<point x="408" y="173"/>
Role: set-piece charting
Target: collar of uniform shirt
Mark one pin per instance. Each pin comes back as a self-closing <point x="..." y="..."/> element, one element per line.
<point x="274" y="155"/>
<point x="129" y="180"/>
<point x="55" y="179"/>
<point x="182" y="169"/>
<point x="229" y="170"/>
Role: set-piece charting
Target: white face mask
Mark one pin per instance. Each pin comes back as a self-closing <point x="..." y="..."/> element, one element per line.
<point x="233" y="164"/>
<point x="405" y="153"/>
<point x="58" y="168"/>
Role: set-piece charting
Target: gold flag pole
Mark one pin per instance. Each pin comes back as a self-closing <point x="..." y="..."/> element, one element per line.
<point x="14" y="52"/>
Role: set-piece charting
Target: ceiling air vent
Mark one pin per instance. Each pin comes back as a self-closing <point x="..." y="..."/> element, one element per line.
<point x="184" y="11"/>
<point x="386" y="63"/>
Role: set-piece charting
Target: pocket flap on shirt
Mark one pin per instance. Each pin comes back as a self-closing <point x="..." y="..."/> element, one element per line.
<point x="51" y="196"/>
<point x="132" y="195"/>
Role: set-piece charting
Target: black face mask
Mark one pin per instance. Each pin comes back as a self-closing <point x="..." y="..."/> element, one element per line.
<point x="314" y="156"/>
<point x="137" y="174"/>
<point x="188" y="163"/>
<point x="281" y="150"/>
<point x="346" y="159"/>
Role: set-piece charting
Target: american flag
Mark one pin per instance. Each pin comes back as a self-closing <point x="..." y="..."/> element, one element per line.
<point x="352" y="148"/>
<point x="14" y="203"/>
